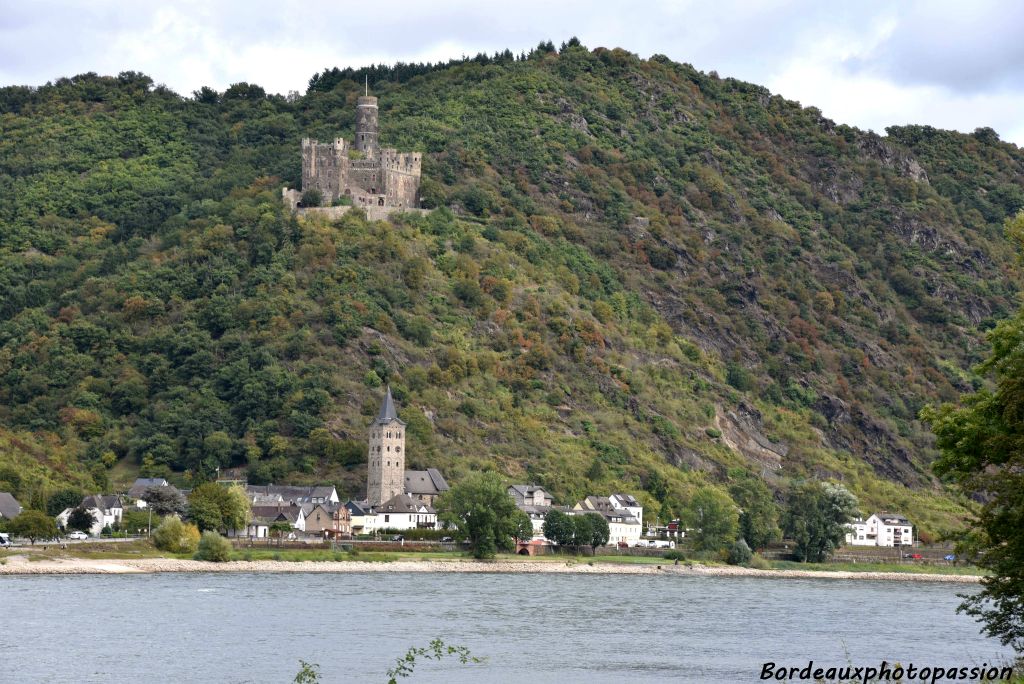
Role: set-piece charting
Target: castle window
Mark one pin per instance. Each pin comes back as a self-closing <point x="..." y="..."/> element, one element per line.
<point x="398" y="448"/>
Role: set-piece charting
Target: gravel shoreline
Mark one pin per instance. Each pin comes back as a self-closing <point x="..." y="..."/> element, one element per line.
<point x="21" y="566"/>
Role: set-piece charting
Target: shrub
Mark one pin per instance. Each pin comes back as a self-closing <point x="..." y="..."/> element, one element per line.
<point x="758" y="562"/>
<point x="312" y="198"/>
<point x="673" y="555"/>
<point x="739" y="553"/>
<point x="175" y="536"/>
<point x="213" y="548"/>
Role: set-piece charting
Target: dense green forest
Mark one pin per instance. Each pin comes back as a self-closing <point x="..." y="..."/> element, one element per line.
<point x="638" y="277"/>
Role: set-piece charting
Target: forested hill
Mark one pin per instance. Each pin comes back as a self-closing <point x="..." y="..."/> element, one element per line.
<point x="639" y="277"/>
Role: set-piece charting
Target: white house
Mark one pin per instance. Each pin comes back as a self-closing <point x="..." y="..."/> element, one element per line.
<point x="622" y="527"/>
<point x="628" y="514"/>
<point x="537" y="516"/>
<point x="881" y="529"/>
<point x="400" y="512"/>
<point x="106" y="512"/>
<point x="626" y="502"/>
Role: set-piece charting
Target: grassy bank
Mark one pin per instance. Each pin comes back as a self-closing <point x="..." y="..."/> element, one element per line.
<point x="918" y="569"/>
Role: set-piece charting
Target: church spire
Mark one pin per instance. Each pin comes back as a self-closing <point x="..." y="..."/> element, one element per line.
<point x="387" y="410"/>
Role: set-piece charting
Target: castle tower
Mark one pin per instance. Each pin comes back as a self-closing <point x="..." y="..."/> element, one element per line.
<point x="366" y="125"/>
<point x="385" y="464"/>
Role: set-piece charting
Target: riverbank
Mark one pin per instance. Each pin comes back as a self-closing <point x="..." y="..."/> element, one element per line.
<point x="21" y="565"/>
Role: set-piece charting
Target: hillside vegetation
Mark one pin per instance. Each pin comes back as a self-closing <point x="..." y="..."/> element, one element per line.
<point x="638" y="276"/>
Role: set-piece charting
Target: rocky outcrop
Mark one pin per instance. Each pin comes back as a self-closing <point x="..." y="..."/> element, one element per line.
<point x="742" y="432"/>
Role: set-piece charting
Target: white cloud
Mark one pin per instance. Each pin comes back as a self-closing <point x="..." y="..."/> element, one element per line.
<point x="869" y="64"/>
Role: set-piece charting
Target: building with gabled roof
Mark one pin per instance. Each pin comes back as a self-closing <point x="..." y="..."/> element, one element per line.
<point x="880" y="529"/>
<point x="107" y="511"/>
<point x="141" y="484"/>
<point x="425" y="485"/>
<point x="262" y="495"/>
<point x="9" y="506"/>
<point x="529" y="495"/>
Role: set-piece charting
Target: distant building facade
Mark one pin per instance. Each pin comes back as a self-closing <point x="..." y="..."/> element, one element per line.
<point x="106" y="511"/>
<point x="362" y="173"/>
<point x="880" y="529"/>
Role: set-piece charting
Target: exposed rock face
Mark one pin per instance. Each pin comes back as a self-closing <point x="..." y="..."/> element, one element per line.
<point x="853" y="430"/>
<point x="898" y="160"/>
<point x="742" y="431"/>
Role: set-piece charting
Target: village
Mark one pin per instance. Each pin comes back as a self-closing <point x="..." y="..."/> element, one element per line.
<point x="400" y="503"/>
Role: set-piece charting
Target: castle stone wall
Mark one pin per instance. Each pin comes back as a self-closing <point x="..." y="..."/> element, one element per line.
<point x="380" y="178"/>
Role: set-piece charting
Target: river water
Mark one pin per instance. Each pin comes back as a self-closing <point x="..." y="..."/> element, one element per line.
<point x="531" y="627"/>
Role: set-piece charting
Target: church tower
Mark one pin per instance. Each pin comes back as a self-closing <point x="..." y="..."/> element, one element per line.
<point x="385" y="464"/>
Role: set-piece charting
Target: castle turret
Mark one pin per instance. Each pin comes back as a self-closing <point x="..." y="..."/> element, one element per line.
<point x="366" y="126"/>
<point x="385" y="464"/>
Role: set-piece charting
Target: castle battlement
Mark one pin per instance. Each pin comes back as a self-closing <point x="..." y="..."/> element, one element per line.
<point x="380" y="177"/>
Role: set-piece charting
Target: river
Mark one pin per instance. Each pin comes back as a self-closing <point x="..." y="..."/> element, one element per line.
<point x="530" y="627"/>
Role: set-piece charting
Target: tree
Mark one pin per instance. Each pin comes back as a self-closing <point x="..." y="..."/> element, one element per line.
<point x="713" y="517"/>
<point x="558" y="527"/>
<point x="582" y="530"/>
<point x="279" y="528"/>
<point x="165" y="500"/>
<point x="236" y="509"/>
<point x="205" y="514"/>
<point x="81" y="519"/>
<point x="815" y="518"/>
<point x="980" y="443"/>
<point x="176" y="537"/>
<point x="482" y="512"/>
<point x="598" y="531"/>
<point x="215" y="507"/>
<point x="33" y="525"/>
<point x="758" y="513"/>
<point x="522" y="526"/>
<point x="64" y="499"/>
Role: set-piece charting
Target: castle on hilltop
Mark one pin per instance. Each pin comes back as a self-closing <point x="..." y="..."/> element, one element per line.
<point x="364" y="174"/>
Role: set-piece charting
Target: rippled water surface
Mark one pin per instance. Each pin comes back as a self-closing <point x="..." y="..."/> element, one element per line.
<point x="531" y="628"/>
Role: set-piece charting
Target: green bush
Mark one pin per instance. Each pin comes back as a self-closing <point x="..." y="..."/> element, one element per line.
<point x="757" y="561"/>
<point x="673" y="555"/>
<point x="213" y="548"/>
<point x="739" y="553"/>
<point x="175" y="536"/>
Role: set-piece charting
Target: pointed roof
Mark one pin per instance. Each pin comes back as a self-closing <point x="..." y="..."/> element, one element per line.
<point x="388" y="414"/>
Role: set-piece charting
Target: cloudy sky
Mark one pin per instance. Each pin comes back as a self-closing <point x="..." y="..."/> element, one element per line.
<point x="867" y="63"/>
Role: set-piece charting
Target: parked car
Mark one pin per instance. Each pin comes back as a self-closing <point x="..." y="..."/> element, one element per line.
<point x="949" y="557"/>
<point x="397" y="537"/>
<point x="446" y="540"/>
<point x="5" y="539"/>
<point x="78" y="534"/>
<point x="915" y="556"/>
